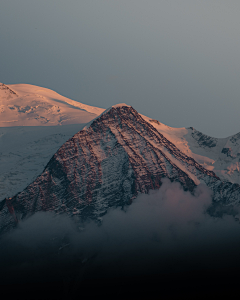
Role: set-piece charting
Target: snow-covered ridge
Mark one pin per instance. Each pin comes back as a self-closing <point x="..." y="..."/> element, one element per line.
<point x="30" y="105"/>
<point x="221" y="155"/>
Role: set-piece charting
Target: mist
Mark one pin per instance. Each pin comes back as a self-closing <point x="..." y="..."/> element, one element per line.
<point x="165" y="234"/>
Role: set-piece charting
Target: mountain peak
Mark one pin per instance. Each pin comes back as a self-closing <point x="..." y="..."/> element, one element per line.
<point x="116" y="106"/>
<point x="120" y="105"/>
<point x="107" y="165"/>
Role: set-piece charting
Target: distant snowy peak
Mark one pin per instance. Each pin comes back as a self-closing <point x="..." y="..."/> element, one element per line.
<point x="26" y="90"/>
<point x="30" y="105"/>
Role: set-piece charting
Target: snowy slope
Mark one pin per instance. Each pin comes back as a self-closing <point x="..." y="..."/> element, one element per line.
<point x="221" y="155"/>
<point x="30" y="105"/>
<point x="25" y="151"/>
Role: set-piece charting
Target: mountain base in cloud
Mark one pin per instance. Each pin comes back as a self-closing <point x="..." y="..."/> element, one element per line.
<point x="163" y="242"/>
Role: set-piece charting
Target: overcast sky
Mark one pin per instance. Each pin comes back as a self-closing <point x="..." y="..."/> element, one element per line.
<point x="175" y="61"/>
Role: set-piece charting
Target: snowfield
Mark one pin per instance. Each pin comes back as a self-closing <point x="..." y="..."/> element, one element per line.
<point x="25" y="151"/>
<point x="30" y="105"/>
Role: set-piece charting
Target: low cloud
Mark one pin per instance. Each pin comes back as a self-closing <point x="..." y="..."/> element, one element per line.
<point x="166" y="231"/>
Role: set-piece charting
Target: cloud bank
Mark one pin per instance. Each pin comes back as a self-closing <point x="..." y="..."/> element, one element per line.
<point x="164" y="234"/>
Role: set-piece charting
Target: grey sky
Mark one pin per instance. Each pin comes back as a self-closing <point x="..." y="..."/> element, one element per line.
<point x="175" y="61"/>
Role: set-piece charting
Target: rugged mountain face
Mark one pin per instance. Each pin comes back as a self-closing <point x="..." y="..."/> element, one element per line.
<point x="110" y="161"/>
<point x="203" y="140"/>
<point x="224" y="152"/>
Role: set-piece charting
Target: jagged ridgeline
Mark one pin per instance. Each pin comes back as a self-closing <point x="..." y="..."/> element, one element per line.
<point x="115" y="157"/>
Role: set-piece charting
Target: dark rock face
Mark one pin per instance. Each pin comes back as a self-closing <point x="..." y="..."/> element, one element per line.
<point x="228" y="152"/>
<point x="8" y="92"/>
<point x="235" y="138"/>
<point x="203" y="139"/>
<point x="155" y="121"/>
<point x="105" y="165"/>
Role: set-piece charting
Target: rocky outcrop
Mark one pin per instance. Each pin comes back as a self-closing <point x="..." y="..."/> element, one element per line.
<point x="6" y="92"/>
<point x="228" y="152"/>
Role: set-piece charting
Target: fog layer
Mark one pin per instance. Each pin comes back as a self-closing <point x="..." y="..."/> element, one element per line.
<point x="161" y="234"/>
